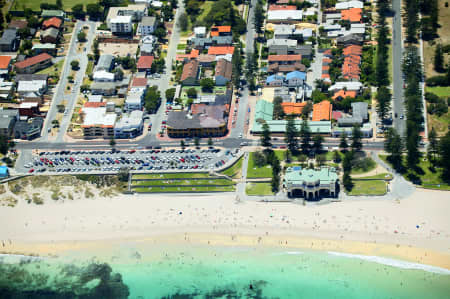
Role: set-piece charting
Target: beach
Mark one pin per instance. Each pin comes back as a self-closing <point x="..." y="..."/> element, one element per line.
<point x="414" y="229"/>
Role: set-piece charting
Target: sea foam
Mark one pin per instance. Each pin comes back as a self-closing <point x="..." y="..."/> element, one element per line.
<point x="393" y="262"/>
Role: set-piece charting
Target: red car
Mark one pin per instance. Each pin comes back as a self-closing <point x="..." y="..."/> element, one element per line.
<point x="31" y="170"/>
<point x="182" y="160"/>
<point x="196" y="166"/>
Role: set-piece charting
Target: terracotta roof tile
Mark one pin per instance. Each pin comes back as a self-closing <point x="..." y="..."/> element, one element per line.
<point x="293" y="108"/>
<point x="221" y="50"/>
<point x="5" y="61"/>
<point x="145" y="62"/>
<point x="33" y="60"/>
<point x="352" y="14"/>
<point x="293" y="57"/>
<point x="322" y="111"/>
<point x="282" y="7"/>
<point x="139" y="82"/>
<point x="52" y="22"/>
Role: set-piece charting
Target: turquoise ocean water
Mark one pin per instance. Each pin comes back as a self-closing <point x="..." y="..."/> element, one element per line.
<point x="156" y="271"/>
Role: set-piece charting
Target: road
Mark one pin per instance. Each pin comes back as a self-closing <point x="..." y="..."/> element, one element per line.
<point x="59" y="94"/>
<point x="397" y="49"/>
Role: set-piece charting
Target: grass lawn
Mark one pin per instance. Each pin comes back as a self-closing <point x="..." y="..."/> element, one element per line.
<point x="369" y="167"/>
<point x="258" y="189"/>
<point x="53" y="70"/>
<point x="373" y="187"/>
<point x="217" y="90"/>
<point x="184" y="189"/>
<point x="181" y="46"/>
<point x="235" y="170"/>
<point x="330" y="155"/>
<point x="194" y="182"/>
<point x="35" y="4"/>
<point x="441" y="91"/>
<point x="439" y="123"/>
<point x="424" y="175"/>
<point x="258" y="172"/>
<point x="180" y="175"/>
<point x="381" y="176"/>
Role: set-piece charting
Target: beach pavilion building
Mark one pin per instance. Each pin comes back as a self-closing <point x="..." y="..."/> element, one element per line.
<point x="311" y="184"/>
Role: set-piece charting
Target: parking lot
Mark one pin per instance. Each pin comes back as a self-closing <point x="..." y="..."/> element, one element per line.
<point x="139" y="161"/>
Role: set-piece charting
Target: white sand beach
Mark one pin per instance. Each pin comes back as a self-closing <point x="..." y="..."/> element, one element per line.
<point x="415" y="229"/>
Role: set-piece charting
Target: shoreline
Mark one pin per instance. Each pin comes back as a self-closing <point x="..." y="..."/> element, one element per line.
<point x="349" y="248"/>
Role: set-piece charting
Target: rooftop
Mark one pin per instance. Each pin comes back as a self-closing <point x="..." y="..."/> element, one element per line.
<point x="33" y="60"/>
<point x="224" y="68"/>
<point x="285" y="15"/>
<point x="322" y="111"/>
<point x="325" y="175"/>
<point x="55" y="22"/>
<point x="190" y="70"/>
<point x="139" y="82"/>
<point x="5" y="61"/>
<point x="96" y="115"/>
<point x="220" y="50"/>
<point x="352" y="14"/>
<point x="148" y="21"/>
<point x="293" y="108"/>
<point x="145" y="62"/>
<point x="292" y="57"/>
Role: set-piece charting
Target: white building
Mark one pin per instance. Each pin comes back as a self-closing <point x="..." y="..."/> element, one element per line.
<point x="121" y="24"/>
<point x="134" y="101"/>
<point x="97" y="122"/>
<point x="284" y="15"/>
<point x="200" y="32"/>
<point x="36" y="87"/>
<point x="103" y="76"/>
<point x="349" y="4"/>
<point x="147" y="25"/>
<point x="130" y="125"/>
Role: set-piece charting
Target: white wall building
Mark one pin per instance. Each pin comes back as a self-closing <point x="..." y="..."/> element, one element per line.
<point x="121" y="24"/>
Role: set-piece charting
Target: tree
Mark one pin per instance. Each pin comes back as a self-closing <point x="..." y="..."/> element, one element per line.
<point x="112" y="142"/>
<point x="321" y="159"/>
<point x="5" y="144"/>
<point x="210" y="141"/>
<point x="152" y="99"/>
<point x="182" y="144"/>
<point x="439" y="59"/>
<point x="444" y="153"/>
<point x="317" y="143"/>
<point x="78" y="11"/>
<point x="123" y="174"/>
<point x="336" y="156"/>
<point x="394" y="146"/>
<point x="192" y="93"/>
<point x="307" y="110"/>
<point x="183" y="22"/>
<point x="343" y="145"/>
<point x="278" y="112"/>
<point x="197" y="141"/>
<point x="59" y="4"/>
<point x="305" y="135"/>
<point x="291" y="135"/>
<point x="433" y="147"/>
<point x="81" y="36"/>
<point x="96" y="50"/>
<point x="94" y="11"/>
<point x="75" y="64"/>
<point x="356" y="139"/>
<point x="207" y="84"/>
<point x="170" y="94"/>
<point x="160" y="33"/>
<point x="33" y="22"/>
<point x="236" y="61"/>
<point x="258" y="19"/>
<point x="258" y="159"/>
<point x="347" y="182"/>
<point x="265" y="136"/>
<point x="383" y="101"/>
<point x="347" y="162"/>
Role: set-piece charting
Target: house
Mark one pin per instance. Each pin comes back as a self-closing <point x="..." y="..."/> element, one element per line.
<point x="50" y="35"/>
<point x="275" y="80"/>
<point x="144" y="63"/>
<point x="9" y="41"/>
<point x="223" y="72"/>
<point x="134" y="100"/>
<point x="97" y="120"/>
<point x="146" y="47"/>
<point x="342" y="94"/>
<point x="289" y="47"/>
<point x="28" y="129"/>
<point x="129" y="125"/>
<point x="295" y="78"/>
<point x="322" y="111"/>
<point x="29" y="109"/>
<point x="53" y="22"/>
<point x="148" y="25"/>
<point x="8" y="118"/>
<point x="311" y="184"/>
<point x="354" y="15"/>
<point x="349" y="39"/>
<point x="33" y="89"/>
<point x="105" y="63"/>
<point x="103" y="76"/>
<point x="103" y="88"/>
<point x="207" y="121"/>
<point x="293" y="108"/>
<point x="50" y="13"/>
<point x="5" y="65"/>
<point x="200" y="32"/>
<point x="220" y="31"/>
<point x="349" y="4"/>
<point x="356" y="86"/>
<point x="44" y="48"/>
<point x="33" y="64"/>
<point x="190" y="73"/>
<point x="282" y="7"/>
<point x="206" y="59"/>
<point x="285" y="63"/>
<point x="4" y="172"/>
<point x="359" y="115"/>
<point x="121" y="25"/>
<point x="138" y="84"/>
<point x="6" y="90"/>
<point x="284" y="16"/>
<point x="283" y="93"/>
<point x="18" y="24"/>
<point x="221" y="50"/>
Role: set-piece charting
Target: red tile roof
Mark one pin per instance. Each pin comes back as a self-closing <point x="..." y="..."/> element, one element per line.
<point x="190" y="70"/>
<point x="293" y="108"/>
<point x="33" y="60"/>
<point x="221" y="50"/>
<point x="94" y="104"/>
<point x="52" y="22"/>
<point x="352" y="14"/>
<point x="322" y="111"/>
<point x="216" y="30"/>
<point x="139" y="82"/>
<point x="282" y="7"/>
<point x="344" y="93"/>
<point x="18" y="24"/>
<point x="4" y="62"/>
<point x="293" y="57"/>
<point x="145" y="62"/>
<point x="194" y="53"/>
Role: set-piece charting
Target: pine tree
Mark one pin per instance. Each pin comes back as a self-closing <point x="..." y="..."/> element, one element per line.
<point x="433" y="146"/>
<point x="439" y="59"/>
<point x="278" y="112"/>
<point x="291" y="135"/>
<point x="265" y="136"/>
<point x="383" y="101"/>
<point x="343" y="145"/>
<point x="317" y="143"/>
<point x="305" y="135"/>
<point x="394" y="146"/>
<point x="356" y="139"/>
<point x="444" y="153"/>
